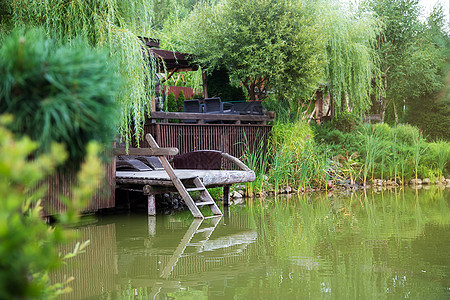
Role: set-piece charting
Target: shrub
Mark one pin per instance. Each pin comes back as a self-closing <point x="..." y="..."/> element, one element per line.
<point x="346" y="122"/>
<point x="27" y="245"/>
<point x="63" y="94"/>
<point x="172" y="104"/>
<point x="180" y="101"/>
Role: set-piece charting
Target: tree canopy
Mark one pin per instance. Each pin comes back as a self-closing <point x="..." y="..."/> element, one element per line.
<point x="267" y="45"/>
<point x="409" y="59"/>
<point x="114" y="25"/>
<point x="352" y="70"/>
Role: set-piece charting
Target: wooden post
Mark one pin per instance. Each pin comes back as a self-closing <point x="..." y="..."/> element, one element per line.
<point x="151" y="225"/>
<point x="226" y="195"/>
<point x="205" y="86"/>
<point x="151" y="205"/>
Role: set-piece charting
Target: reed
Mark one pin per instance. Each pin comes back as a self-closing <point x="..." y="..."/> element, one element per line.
<point x="394" y="163"/>
<point x="372" y="151"/>
<point x="440" y="155"/>
<point x="295" y="159"/>
<point x="419" y="147"/>
<point x="255" y="157"/>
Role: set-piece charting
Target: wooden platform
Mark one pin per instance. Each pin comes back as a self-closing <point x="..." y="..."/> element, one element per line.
<point x="195" y="172"/>
<point x="210" y="178"/>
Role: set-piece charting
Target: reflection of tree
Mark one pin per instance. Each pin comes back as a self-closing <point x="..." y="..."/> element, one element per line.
<point x="365" y="245"/>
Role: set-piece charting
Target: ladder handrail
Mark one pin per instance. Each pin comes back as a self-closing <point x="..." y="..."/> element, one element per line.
<point x="180" y="186"/>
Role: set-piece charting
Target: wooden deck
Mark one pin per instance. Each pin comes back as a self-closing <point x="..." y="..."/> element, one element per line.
<point x="158" y="177"/>
<point x="229" y="136"/>
<point x="210" y="178"/>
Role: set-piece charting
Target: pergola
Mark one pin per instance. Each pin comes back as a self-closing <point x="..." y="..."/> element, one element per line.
<point x="172" y="61"/>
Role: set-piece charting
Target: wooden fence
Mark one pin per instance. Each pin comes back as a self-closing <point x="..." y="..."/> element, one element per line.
<point x="233" y="138"/>
<point x="62" y="184"/>
<point x="230" y="138"/>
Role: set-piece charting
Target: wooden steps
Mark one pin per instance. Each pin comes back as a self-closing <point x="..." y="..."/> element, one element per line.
<point x="205" y="197"/>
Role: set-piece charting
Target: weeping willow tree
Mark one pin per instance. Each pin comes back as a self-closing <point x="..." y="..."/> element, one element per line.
<point x="115" y="25"/>
<point x="353" y="66"/>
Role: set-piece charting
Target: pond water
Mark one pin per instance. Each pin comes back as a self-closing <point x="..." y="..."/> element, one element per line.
<point x="387" y="245"/>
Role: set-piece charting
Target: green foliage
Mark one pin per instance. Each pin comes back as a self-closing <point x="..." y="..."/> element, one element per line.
<point x="295" y="160"/>
<point x="114" y="25"/>
<point x="219" y="85"/>
<point x="168" y="11"/>
<point x="63" y="94"/>
<point x="172" y="104"/>
<point x="438" y="156"/>
<point x="431" y="114"/>
<point x="263" y="44"/>
<point x="411" y="60"/>
<point x="180" y="101"/>
<point x="28" y="245"/>
<point x="396" y="153"/>
<point x="352" y="59"/>
<point x="346" y="122"/>
<point x="255" y="156"/>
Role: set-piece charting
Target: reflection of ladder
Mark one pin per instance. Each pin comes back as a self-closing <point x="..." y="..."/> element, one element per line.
<point x="206" y="198"/>
<point x="186" y="241"/>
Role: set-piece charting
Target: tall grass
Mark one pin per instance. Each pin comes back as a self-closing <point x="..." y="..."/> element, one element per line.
<point x="295" y="159"/>
<point x="372" y="150"/>
<point x="419" y="147"/>
<point x="440" y="155"/>
<point x="255" y="157"/>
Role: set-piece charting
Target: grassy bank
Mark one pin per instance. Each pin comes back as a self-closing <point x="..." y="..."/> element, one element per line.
<point x="300" y="156"/>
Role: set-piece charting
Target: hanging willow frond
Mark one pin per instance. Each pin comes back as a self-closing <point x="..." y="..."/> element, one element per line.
<point x="112" y="24"/>
<point x="352" y="69"/>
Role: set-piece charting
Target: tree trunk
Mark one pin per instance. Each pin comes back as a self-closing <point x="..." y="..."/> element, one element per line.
<point x="251" y="91"/>
<point x="332" y="106"/>
<point x="384" y="101"/>
<point x="205" y="86"/>
<point x="395" y="113"/>
<point x="343" y="102"/>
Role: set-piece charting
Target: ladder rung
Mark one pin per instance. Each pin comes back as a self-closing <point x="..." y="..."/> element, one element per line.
<point x="195" y="189"/>
<point x="205" y="229"/>
<point x="210" y="217"/>
<point x="204" y="203"/>
<point x="197" y="244"/>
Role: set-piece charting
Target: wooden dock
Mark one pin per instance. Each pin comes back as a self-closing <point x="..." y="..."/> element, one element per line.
<point x="195" y="176"/>
<point x="210" y="178"/>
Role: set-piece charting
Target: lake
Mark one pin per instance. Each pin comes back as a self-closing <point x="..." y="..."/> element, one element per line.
<point x="365" y="245"/>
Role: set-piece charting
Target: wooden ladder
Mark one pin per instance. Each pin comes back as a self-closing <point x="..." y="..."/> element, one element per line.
<point x="186" y="241"/>
<point x="206" y="198"/>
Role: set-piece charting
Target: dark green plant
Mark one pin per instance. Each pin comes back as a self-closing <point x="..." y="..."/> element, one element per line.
<point x="172" y="104"/>
<point x="346" y="122"/>
<point x="63" y="94"/>
<point x="180" y="101"/>
<point x="219" y="85"/>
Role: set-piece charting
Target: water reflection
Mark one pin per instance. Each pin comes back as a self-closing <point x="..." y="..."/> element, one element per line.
<point x="350" y="246"/>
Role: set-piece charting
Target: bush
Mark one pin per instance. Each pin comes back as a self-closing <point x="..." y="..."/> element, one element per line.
<point x="27" y="245"/>
<point x="172" y="104"/>
<point x="431" y="115"/>
<point x="346" y="122"/>
<point x="63" y="94"/>
<point x="180" y="101"/>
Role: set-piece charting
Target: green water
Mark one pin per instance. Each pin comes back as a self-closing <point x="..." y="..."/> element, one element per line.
<point x="389" y="245"/>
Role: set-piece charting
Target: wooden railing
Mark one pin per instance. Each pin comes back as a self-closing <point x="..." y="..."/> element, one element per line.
<point x="202" y="118"/>
<point x="230" y="138"/>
